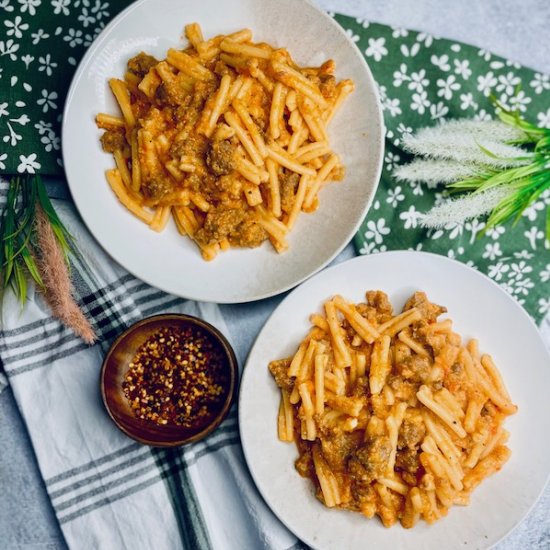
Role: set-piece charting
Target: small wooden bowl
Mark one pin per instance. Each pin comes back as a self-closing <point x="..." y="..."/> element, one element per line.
<point x="116" y="364"/>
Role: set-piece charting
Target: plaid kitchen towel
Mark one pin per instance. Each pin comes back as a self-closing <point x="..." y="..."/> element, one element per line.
<point x="107" y="491"/>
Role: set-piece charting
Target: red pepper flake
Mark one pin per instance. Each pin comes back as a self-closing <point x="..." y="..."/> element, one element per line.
<point x="179" y="377"/>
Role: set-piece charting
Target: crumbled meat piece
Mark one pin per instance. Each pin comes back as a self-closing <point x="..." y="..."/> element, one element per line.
<point x="249" y="234"/>
<point x="405" y="390"/>
<point x="279" y="371"/>
<point x="338" y="446"/>
<point x="230" y="185"/>
<point x="370" y="461"/>
<point x="289" y="184"/>
<point x="171" y="95"/>
<point x="407" y="460"/>
<point x="113" y="140"/>
<point x="415" y="368"/>
<point x="203" y="89"/>
<point x="191" y="146"/>
<point x="361" y="387"/>
<point x="208" y="185"/>
<point x="219" y="223"/>
<point x="362" y="492"/>
<point x="235" y="224"/>
<point x="430" y="312"/>
<point x="378" y="309"/>
<point x="328" y="87"/>
<point x="456" y="369"/>
<point x="155" y="187"/>
<point x="435" y="340"/>
<point x="161" y="94"/>
<point x="259" y="106"/>
<point x="401" y="352"/>
<point x="183" y="114"/>
<point x="175" y="92"/>
<point x="379" y="300"/>
<point x="456" y="378"/>
<point x="189" y="106"/>
<point x="304" y="464"/>
<point x="219" y="157"/>
<point x="367" y="312"/>
<point x="141" y="63"/>
<point x="379" y="406"/>
<point x="447" y="355"/>
<point x="410" y="479"/>
<point x="412" y="431"/>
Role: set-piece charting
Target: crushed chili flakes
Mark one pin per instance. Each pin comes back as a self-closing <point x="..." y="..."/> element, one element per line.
<point x="178" y="376"/>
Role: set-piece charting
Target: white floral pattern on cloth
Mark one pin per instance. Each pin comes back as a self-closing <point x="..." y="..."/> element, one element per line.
<point x="423" y="80"/>
<point x="35" y="71"/>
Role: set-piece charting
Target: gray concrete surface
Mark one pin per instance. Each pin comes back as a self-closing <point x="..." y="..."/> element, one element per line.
<point x="517" y="29"/>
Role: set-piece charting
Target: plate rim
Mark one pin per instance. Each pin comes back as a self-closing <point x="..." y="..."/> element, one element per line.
<point x="198" y="296"/>
<point x="358" y="259"/>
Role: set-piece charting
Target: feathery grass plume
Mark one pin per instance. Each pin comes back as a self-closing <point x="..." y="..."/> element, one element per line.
<point x="481" y="129"/>
<point x="465" y="208"/>
<point x="434" y="172"/>
<point x="452" y="142"/>
<point x="57" y="286"/>
<point x="503" y="165"/>
<point x="35" y="244"/>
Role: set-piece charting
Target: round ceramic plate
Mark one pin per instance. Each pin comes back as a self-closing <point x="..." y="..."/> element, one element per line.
<point x="167" y="260"/>
<point x="478" y="308"/>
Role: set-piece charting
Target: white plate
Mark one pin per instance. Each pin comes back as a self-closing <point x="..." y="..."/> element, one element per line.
<point x="173" y="263"/>
<point x="479" y="308"/>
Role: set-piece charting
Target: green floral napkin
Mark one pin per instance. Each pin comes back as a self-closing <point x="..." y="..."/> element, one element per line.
<point x="41" y="42"/>
<point x="422" y="80"/>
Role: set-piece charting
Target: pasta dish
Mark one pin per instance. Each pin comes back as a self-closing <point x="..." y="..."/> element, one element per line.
<point x="392" y="414"/>
<point x="227" y="136"/>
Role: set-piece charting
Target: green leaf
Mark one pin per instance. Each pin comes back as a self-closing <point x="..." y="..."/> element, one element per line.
<point x="32" y="268"/>
<point x="20" y="283"/>
<point x="18" y="235"/>
<point x="487" y="152"/>
<point x="543" y="145"/>
<point x="513" y="118"/>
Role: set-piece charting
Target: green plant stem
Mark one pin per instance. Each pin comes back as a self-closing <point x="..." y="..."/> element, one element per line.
<point x="18" y="238"/>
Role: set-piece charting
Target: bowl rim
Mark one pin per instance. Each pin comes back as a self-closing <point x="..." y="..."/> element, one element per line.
<point x="232" y="366"/>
